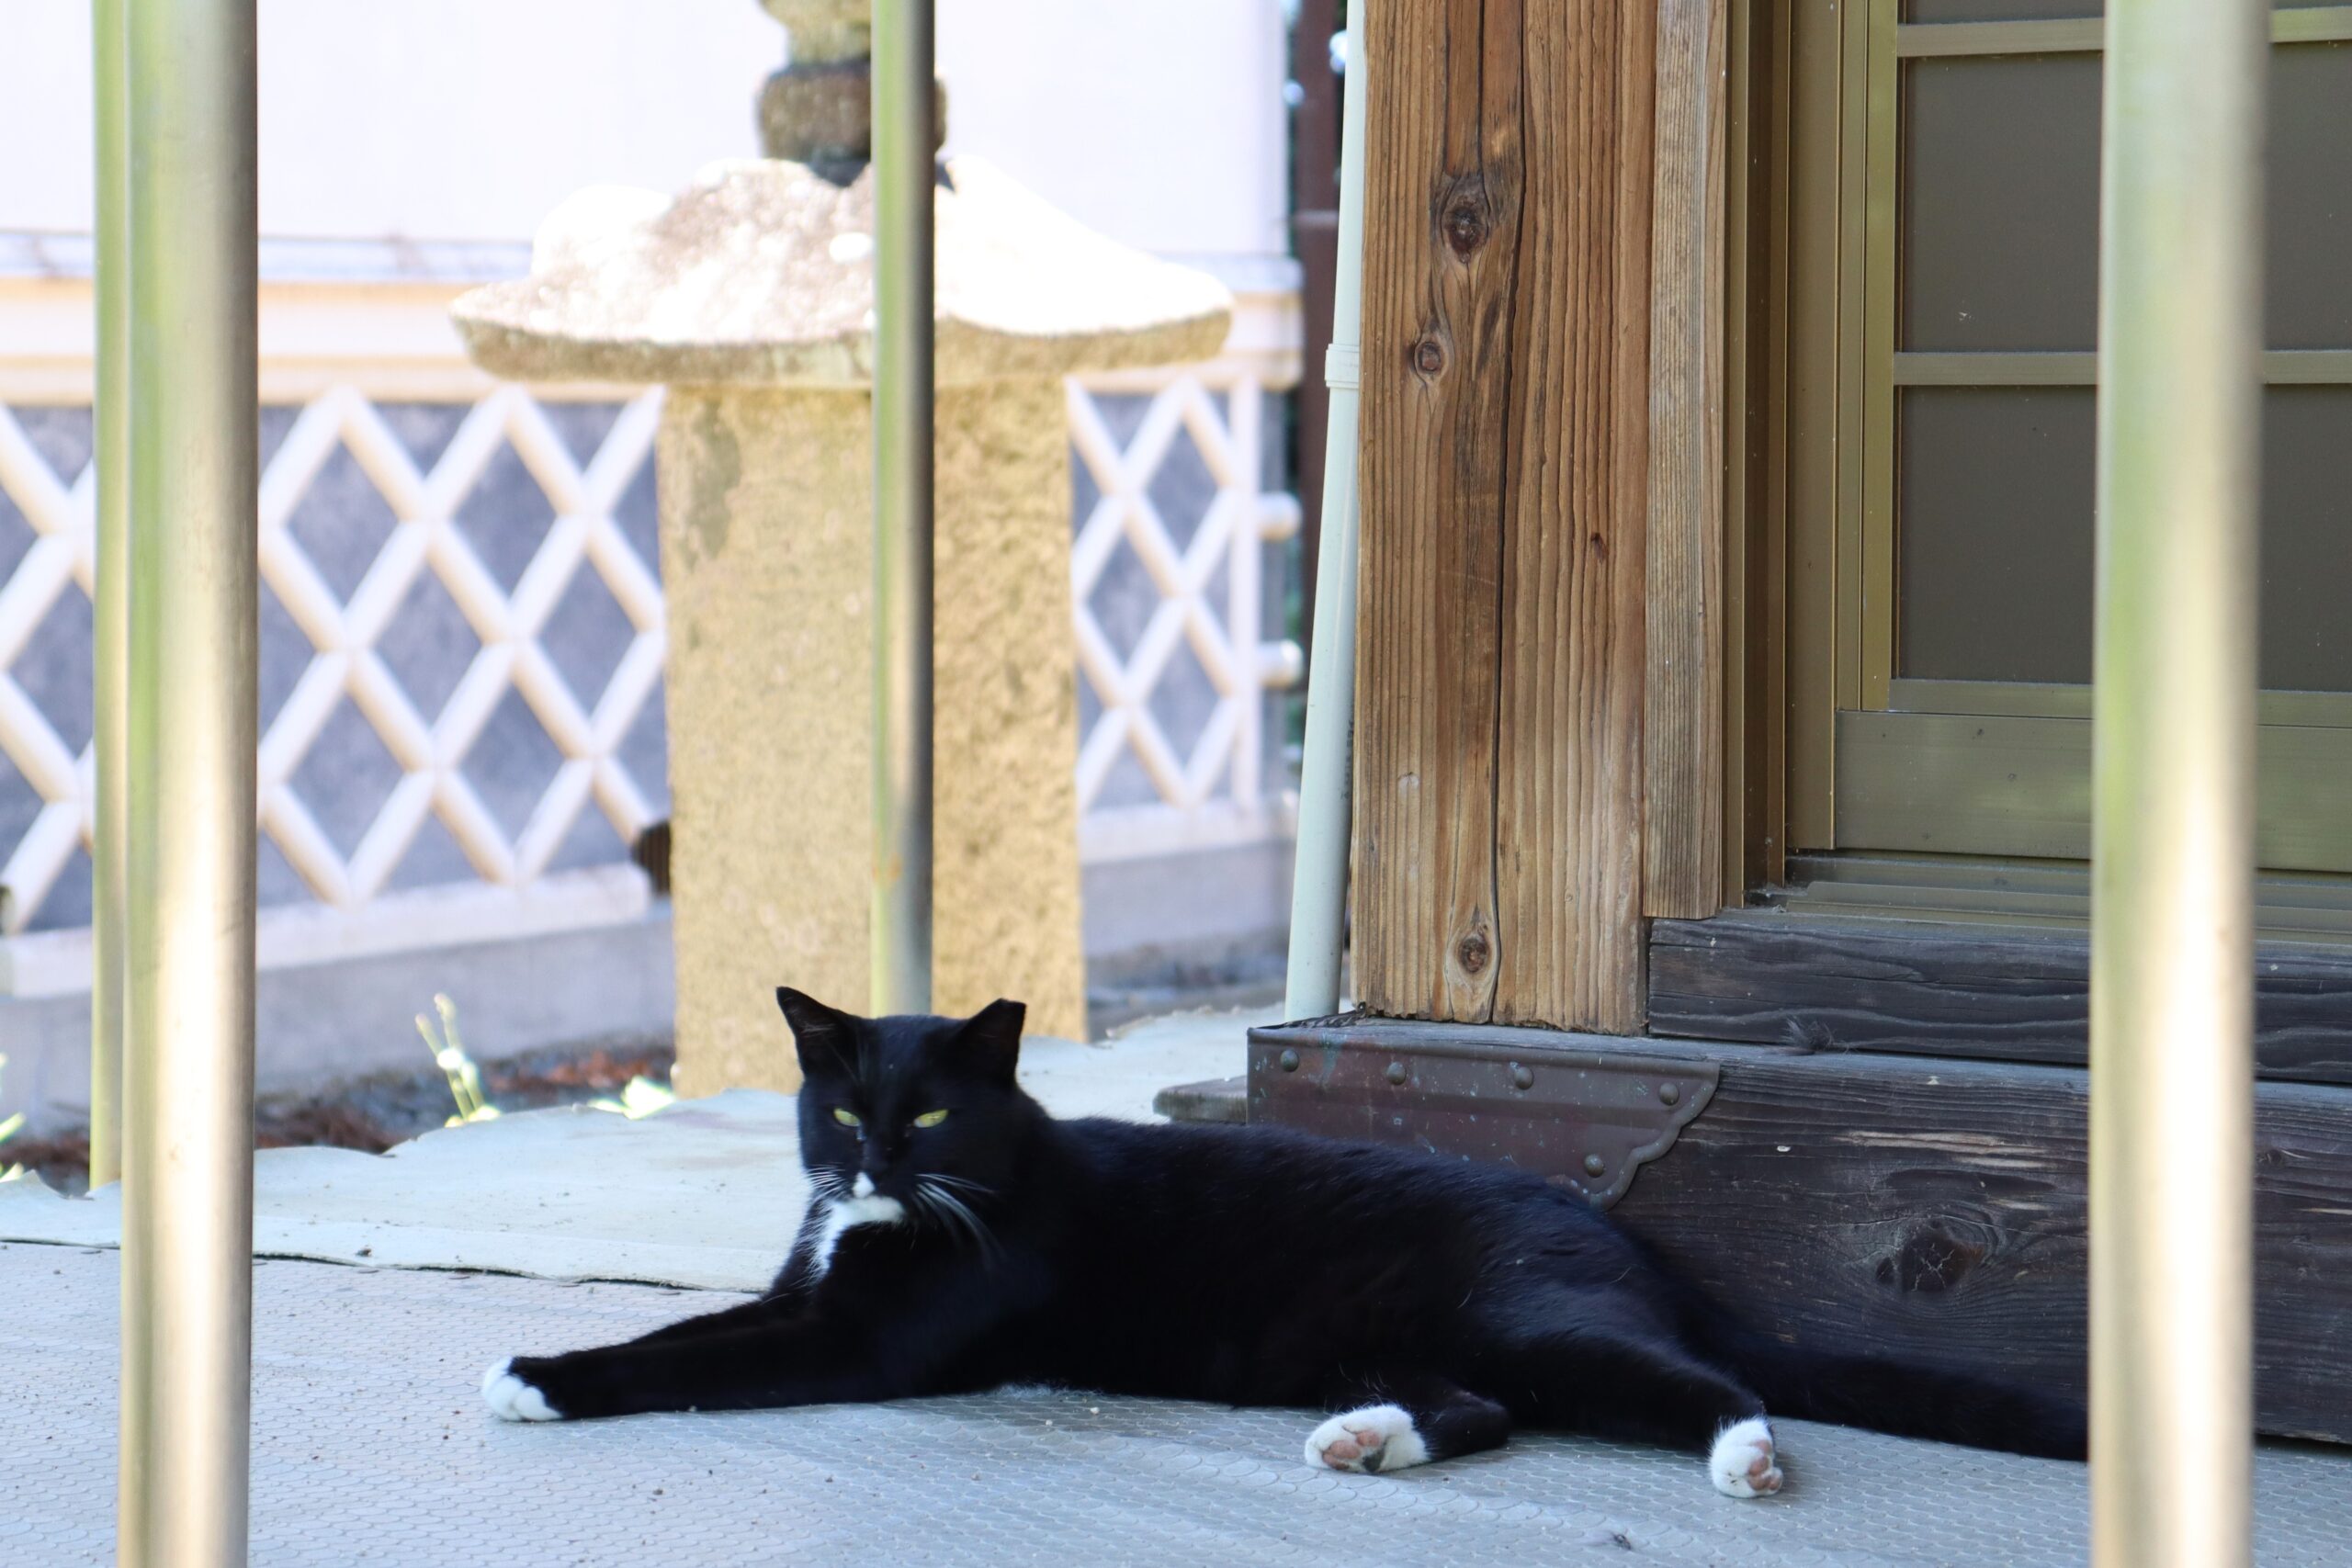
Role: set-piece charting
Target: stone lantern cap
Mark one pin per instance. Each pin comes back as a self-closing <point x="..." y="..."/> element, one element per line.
<point x="761" y="274"/>
<point x="825" y="29"/>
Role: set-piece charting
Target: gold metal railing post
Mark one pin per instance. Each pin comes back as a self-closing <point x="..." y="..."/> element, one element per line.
<point x="2172" y="961"/>
<point x="189" y="769"/>
<point x="905" y="144"/>
<point x="111" y="589"/>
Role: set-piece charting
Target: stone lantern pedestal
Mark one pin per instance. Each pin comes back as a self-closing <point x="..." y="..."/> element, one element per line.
<point x="750" y="297"/>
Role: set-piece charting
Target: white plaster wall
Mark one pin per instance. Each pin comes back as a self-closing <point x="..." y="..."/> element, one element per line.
<point x="427" y="119"/>
<point x="1159" y="121"/>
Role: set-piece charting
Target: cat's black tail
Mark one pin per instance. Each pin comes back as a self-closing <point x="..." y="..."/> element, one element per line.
<point x="1911" y="1402"/>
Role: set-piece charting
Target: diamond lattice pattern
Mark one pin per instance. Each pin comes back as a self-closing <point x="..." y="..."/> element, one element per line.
<point x="1217" y="622"/>
<point x="343" y="633"/>
<point x="1201" y="619"/>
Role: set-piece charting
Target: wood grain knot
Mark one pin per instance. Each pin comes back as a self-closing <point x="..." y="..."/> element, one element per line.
<point x="1930" y="1260"/>
<point x="1464" y="225"/>
<point x="1429" y="357"/>
<point x="1468" y="207"/>
<point x="1472" y="952"/>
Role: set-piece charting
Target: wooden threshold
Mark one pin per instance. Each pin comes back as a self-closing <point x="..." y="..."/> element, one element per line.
<point x="2012" y="784"/>
<point x="2015" y="989"/>
<point x="1931" y="1210"/>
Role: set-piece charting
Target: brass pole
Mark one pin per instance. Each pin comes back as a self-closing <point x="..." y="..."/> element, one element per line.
<point x="109" y="930"/>
<point x="187" y="1192"/>
<point x="905" y="142"/>
<point x="2172" y="961"/>
<point x="111" y="597"/>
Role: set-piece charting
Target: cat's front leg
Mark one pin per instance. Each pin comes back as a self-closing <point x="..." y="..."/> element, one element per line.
<point x="787" y="1361"/>
<point x="762" y="1313"/>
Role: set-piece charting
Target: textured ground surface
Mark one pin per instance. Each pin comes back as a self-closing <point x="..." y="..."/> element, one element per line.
<point x="706" y="1193"/>
<point x="371" y="1447"/>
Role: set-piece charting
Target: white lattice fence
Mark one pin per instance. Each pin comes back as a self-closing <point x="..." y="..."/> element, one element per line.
<point x="431" y="751"/>
<point x="430" y="748"/>
<point x="60" y="558"/>
<point x="1207" y="591"/>
<point x="1214" y="787"/>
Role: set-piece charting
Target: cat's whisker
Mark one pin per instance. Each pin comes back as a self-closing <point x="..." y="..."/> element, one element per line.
<point x="941" y="1202"/>
<point x="928" y="1197"/>
<point x="828" y="1182"/>
<point x="949" y="1221"/>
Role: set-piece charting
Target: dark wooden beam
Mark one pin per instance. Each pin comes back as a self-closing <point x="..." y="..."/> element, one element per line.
<point x="1930" y="1209"/>
<point x="1996" y="992"/>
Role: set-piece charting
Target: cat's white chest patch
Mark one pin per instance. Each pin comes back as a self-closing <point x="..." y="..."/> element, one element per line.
<point x="867" y="1208"/>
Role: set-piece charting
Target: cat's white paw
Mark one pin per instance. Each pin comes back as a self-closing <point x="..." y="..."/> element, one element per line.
<point x="511" y="1399"/>
<point x="1375" y="1438"/>
<point x="1743" y="1463"/>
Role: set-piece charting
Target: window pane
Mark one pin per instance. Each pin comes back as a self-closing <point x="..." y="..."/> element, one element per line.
<point x="2307" y="538"/>
<point x="1999" y="241"/>
<point x="2309" y="303"/>
<point x="1995" y="536"/>
<point x="1994" y="545"/>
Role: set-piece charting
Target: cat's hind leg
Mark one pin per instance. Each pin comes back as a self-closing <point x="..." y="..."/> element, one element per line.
<point x="1615" y="1383"/>
<point x="1744" y="1461"/>
<point x="1394" y="1422"/>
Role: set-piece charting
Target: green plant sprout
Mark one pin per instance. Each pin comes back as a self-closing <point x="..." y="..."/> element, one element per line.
<point x="12" y="1125"/>
<point x="449" y="1055"/>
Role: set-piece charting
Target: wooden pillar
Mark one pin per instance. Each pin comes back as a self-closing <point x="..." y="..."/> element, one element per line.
<point x="1682" y="736"/>
<point x="1505" y="488"/>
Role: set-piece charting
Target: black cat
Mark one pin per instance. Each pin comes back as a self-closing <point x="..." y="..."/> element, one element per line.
<point x="960" y="1238"/>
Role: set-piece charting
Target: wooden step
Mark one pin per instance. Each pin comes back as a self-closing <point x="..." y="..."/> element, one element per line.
<point x="1928" y="1209"/>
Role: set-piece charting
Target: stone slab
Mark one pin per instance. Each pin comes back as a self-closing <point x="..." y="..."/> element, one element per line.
<point x="761" y="274"/>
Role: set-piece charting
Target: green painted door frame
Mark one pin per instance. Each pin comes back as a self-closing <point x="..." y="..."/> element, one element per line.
<point x="1878" y="759"/>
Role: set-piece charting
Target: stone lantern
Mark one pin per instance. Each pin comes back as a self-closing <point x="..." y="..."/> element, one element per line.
<point x="750" y="297"/>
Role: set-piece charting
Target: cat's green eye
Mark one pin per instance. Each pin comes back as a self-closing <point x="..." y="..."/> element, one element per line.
<point x="930" y="1119"/>
<point x="846" y="1118"/>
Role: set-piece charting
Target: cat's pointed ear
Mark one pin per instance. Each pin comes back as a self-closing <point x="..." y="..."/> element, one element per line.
<point x="821" y="1036"/>
<point x="991" y="1038"/>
